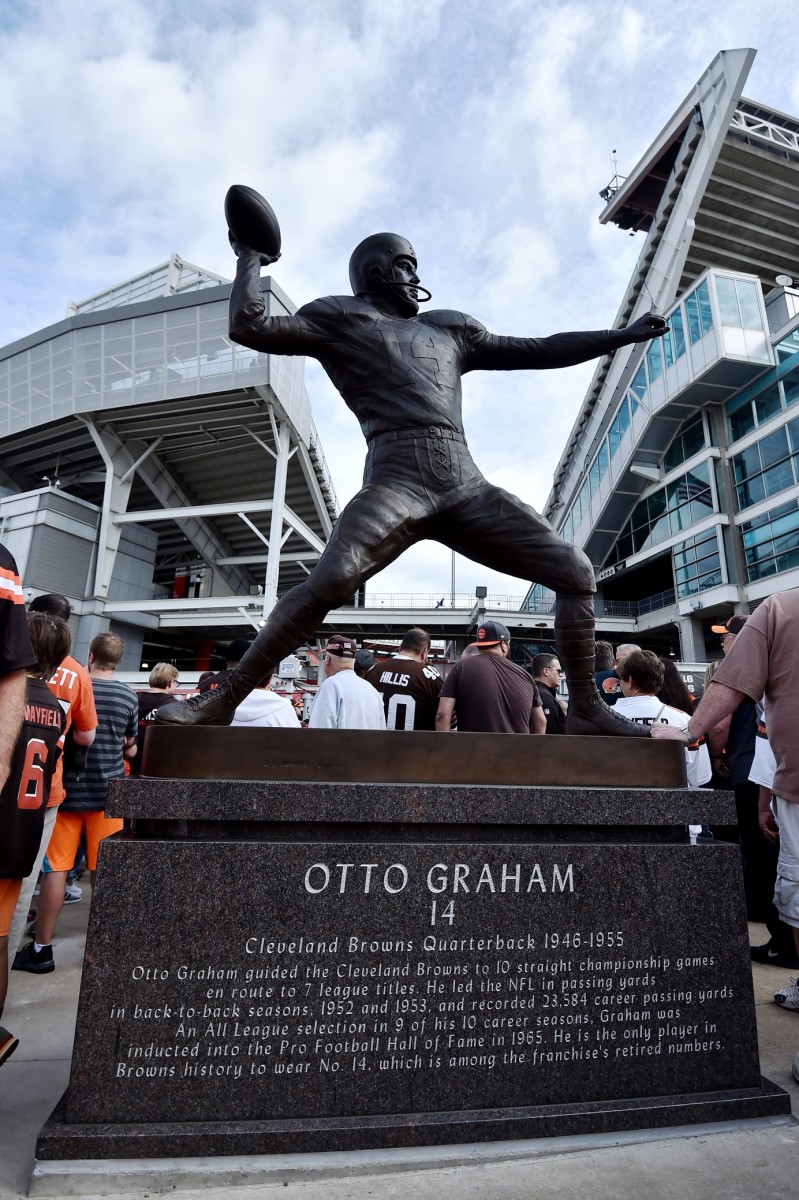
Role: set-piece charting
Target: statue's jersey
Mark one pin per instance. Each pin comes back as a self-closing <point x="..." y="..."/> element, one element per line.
<point x="396" y="372"/>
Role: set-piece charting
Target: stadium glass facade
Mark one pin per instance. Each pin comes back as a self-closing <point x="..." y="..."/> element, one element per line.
<point x="680" y="479"/>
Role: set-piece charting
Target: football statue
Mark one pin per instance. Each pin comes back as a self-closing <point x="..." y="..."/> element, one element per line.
<point x="399" y="370"/>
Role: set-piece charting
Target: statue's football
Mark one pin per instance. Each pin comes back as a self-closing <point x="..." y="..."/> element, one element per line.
<point x="251" y="220"/>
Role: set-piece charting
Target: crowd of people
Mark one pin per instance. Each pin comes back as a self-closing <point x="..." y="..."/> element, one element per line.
<point x="67" y="730"/>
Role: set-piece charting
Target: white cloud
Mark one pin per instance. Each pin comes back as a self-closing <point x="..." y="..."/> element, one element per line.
<point x="523" y="263"/>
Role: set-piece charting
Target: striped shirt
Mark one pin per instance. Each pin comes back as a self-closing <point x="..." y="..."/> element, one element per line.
<point x="117" y="718"/>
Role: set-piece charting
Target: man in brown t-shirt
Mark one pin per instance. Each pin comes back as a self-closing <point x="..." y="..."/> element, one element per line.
<point x="489" y="693"/>
<point x="762" y="662"/>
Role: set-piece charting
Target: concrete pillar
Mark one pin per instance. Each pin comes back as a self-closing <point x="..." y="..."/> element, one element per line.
<point x="692" y="639"/>
<point x="90" y="622"/>
<point x="119" y="473"/>
<point x="276" y="524"/>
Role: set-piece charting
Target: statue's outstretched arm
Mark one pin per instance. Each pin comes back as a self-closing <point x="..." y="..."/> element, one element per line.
<point x="493" y="352"/>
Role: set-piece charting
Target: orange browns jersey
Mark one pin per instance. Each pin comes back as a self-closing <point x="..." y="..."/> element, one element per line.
<point x="72" y="687"/>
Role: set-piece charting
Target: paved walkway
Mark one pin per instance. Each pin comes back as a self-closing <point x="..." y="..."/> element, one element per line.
<point x="753" y="1164"/>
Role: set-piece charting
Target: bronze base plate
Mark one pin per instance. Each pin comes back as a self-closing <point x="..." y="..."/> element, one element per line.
<point x="365" y="756"/>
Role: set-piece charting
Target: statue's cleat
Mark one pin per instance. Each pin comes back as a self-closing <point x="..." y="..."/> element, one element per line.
<point x="214" y="707"/>
<point x="594" y="718"/>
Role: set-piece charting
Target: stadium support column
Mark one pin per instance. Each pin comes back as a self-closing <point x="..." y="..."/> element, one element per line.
<point x="692" y="639"/>
<point x="119" y="474"/>
<point x="281" y="431"/>
<point x="91" y="621"/>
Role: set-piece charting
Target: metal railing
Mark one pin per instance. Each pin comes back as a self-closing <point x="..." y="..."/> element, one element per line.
<point x="315" y="446"/>
<point x="426" y="600"/>
<point x="779" y="134"/>
<point x="619" y="608"/>
<point x="653" y="603"/>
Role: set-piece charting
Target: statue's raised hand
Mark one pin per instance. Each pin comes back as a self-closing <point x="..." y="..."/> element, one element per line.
<point x="239" y="248"/>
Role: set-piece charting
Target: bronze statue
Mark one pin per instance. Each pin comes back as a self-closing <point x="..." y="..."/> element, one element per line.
<point x="400" y="372"/>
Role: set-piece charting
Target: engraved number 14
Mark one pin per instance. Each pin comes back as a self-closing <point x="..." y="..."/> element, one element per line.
<point x="447" y="913"/>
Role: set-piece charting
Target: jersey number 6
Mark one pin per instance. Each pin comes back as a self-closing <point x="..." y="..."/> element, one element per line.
<point x="31" y="784"/>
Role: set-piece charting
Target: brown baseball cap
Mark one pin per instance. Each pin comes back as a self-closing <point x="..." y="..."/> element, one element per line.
<point x="734" y="625"/>
<point x="342" y="646"/>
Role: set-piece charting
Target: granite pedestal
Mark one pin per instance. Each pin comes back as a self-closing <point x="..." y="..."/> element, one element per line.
<point x="295" y="964"/>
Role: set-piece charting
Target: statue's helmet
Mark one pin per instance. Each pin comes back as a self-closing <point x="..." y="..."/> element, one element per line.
<point x="372" y="260"/>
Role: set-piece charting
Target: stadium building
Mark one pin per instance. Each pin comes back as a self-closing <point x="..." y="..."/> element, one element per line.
<point x="680" y="478"/>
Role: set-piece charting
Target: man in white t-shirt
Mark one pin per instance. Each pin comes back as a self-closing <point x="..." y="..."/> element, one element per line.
<point x="641" y="676"/>
<point x="344" y="701"/>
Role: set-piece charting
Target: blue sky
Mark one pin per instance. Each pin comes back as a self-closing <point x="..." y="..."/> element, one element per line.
<point x="481" y="132"/>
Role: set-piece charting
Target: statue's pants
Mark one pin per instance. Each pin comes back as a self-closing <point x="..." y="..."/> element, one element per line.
<point x="419" y="488"/>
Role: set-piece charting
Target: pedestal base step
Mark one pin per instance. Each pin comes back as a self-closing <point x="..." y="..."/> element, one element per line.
<point x="59" y="1140"/>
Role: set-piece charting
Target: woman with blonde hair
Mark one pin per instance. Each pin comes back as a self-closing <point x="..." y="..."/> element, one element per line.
<point x="163" y="680"/>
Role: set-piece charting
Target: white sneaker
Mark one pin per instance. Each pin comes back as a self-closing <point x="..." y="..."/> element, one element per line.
<point x="73" y="893"/>
<point x="788" y="997"/>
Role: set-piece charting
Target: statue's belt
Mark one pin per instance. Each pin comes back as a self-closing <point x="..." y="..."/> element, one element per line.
<point x="421" y="433"/>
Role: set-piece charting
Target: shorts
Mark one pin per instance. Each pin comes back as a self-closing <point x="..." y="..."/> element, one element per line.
<point x="9" y="894"/>
<point x="786" y="887"/>
<point x="66" y="838"/>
